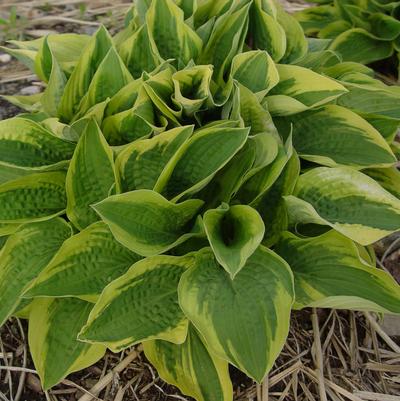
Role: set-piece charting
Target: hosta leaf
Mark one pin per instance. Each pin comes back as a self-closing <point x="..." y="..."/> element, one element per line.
<point x="265" y="176"/>
<point x="256" y="71"/>
<point x="259" y="151"/>
<point x="347" y="200"/>
<point x="360" y="46"/>
<point x="329" y="272"/>
<point x="78" y="84"/>
<point x="197" y="161"/>
<point x="25" y="56"/>
<point x="8" y="229"/>
<point x="84" y="265"/>
<point x="374" y="100"/>
<point x="101" y="86"/>
<point x="192" y="88"/>
<point x="25" y="254"/>
<point x="139" y="121"/>
<point x="173" y="38"/>
<point x="304" y="86"/>
<point x="90" y="176"/>
<point x="140" y="163"/>
<point x="313" y="19"/>
<point x="388" y="178"/>
<point x="226" y="40"/>
<point x="66" y="47"/>
<point x="234" y="233"/>
<point x="146" y="222"/>
<point x="296" y="43"/>
<point x="26" y="144"/>
<point x="55" y="87"/>
<point x="334" y="29"/>
<point x="208" y="8"/>
<point x="160" y="89"/>
<point x="139" y="52"/>
<point x="53" y="327"/>
<point x="385" y="26"/>
<point x="330" y="135"/>
<point x="191" y="367"/>
<point x="44" y="61"/>
<point x="254" y="115"/>
<point x="386" y="126"/>
<point x="246" y="320"/>
<point x="29" y="103"/>
<point x="125" y="98"/>
<point x="136" y="314"/>
<point x="271" y="205"/>
<point x="33" y="197"/>
<point x="266" y="31"/>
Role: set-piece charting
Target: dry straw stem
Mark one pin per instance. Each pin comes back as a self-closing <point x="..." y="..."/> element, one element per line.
<point x="102" y="383"/>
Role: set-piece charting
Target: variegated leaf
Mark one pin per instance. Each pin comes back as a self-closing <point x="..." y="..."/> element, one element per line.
<point x="25" y="254"/>
<point x="330" y="273"/>
<point x="137" y="314"/>
<point x="246" y="320"/>
<point x="146" y="222"/>
<point x="54" y="324"/>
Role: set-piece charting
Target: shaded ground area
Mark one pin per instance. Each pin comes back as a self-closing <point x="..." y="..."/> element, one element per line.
<point x="329" y="355"/>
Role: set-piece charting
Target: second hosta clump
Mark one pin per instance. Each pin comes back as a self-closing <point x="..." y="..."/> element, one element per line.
<point x="187" y="183"/>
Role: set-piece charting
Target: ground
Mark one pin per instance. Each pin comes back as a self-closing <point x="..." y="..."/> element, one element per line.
<point x="329" y="355"/>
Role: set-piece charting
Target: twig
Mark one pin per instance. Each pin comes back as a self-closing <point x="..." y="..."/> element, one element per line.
<point x="382" y="333"/>
<point x="18" y="369"/>
<point x="318" y="356"/>
<point x="264" y="389"/>
<point x="24" y="361"/>
<point x="368" y="396"/>
<point x="101" y="384"/>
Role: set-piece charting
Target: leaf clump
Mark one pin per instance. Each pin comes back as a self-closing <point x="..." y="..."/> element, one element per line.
<point x="186" y="184"/>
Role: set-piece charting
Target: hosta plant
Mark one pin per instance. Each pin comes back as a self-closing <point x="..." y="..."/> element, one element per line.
<point x="186" y="184"/>
<point x="363" y="31"/>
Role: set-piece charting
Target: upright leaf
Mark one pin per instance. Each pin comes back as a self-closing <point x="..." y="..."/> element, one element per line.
<point x="171" y="35"/>
<point x="256" y="71"/>
<point x="234" y="233"/>
<point x="139" y="52"/>
<point x="268" y="34"/>
<point x="192" y="88"/>
<point x="79" y="82"/>
<point x="101" y="86"/>
<point x="90" y="176"/>
<point x="197" y="161"/>
<point x="141" y="163"/>
<point x="226" y="40"/>
<point x="271" y="205"/>
<point x="55" y="87"/>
